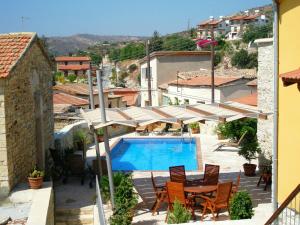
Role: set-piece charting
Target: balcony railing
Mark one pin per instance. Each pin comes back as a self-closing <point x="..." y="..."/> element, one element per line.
<point x="289" y="211"/>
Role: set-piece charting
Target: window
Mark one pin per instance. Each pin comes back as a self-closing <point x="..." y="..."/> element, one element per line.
<point x="66" y="63"/>
<point x="144" y="74"/>
<point x="80" y="63"/>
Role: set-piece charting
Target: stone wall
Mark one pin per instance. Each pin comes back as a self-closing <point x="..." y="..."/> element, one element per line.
<point x="28" y="112"/>
<point x="265" y="94"/>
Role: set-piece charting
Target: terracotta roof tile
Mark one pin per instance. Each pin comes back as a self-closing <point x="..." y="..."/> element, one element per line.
<point x="291" y="77"/>
<point x="12" y="46"/>
<point x="72" y="58"/>
<point x="66" y="99"/>
<point x="74" y="67"/>
<point x="75" y="89"/>
<point x="210" y="22"/>
<point x="248" y="100"/>
<point x="204" y="81"/>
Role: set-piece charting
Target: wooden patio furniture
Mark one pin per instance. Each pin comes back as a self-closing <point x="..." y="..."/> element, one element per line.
<point x="265" y="176"/>
<point x="230" y="143"/>
<point x="176" y="127"/>
<point x="175" y="191"/>
<point x="160" y="128"/>
<point x="177" y="174"/>
<point x="160" y="194"/>
<point x="220" y="201"/>
<point x="235" y="187"/>
<point x="211" y="175"/>
<point x="141" y="129"/>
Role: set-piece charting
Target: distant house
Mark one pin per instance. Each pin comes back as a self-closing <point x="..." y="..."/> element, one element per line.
<point x="198" y="90"/>
<point x="70" y="100"/>
<point x="77" y="65"/>
<point x="239" y="23"/>
<point x="129" y="95"/>
<point x="164" y="66"/>
<point x="82" y="91"/>
<point x="26" y="108"/>
<point x="221" y="27"/>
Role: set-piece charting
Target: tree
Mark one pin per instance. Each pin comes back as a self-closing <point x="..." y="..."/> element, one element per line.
<point x="156" y="42"/>
<point x="243" y="60"/>
<point x="255" y="32"/>
<point x="178" y="43"/>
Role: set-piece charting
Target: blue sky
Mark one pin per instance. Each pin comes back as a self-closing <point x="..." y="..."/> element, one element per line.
<point x="112" y="17"/>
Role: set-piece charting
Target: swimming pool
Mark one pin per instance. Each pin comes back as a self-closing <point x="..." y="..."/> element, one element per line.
<point x="147" y="154"/>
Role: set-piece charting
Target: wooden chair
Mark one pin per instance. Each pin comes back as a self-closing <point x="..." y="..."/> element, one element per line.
<point x="221" y="201"/>
<point x="177" y="174"/>
<point x="176" y="127"/>
<point x="160" y="194"/>
<point x="265" y="176"/>
<point x="160" y="128"/>
<point x="175" y="191"/>
<point x="211" y="176"/>
<point x="230" y="143"/>
<point x="235" y="187"/>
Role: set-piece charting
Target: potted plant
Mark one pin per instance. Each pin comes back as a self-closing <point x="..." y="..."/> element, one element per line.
<point x="80" y="138"/>
<point x="240" y="206"/>
<point x="249" y="150"/>
<point x="179" y="214"/>
<point x="35" y="178"/>
<point x="195" y="128"/>
<point x="100" y="134"/>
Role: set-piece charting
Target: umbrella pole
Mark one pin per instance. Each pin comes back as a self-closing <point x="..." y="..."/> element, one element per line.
<point x="105" y="136"/>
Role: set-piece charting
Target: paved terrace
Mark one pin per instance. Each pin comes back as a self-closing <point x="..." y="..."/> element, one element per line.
<point x="230" y="165"/>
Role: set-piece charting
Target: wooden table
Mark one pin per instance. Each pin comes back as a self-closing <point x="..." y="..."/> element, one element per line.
<point x="200" y="189"/>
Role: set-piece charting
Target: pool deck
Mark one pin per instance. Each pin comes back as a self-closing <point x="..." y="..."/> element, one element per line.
<point x="230" y="165"/>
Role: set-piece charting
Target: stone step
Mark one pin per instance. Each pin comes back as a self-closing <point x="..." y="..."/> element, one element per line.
<point x="75" y="220"/>
<point x="89" y="210"/>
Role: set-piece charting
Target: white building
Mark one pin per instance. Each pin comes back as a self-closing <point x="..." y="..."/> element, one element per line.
<point x="221" y="27"/>
<point x="239" y="23"/>
<point x="198" y="90"/>
<point x="164" y="66"/>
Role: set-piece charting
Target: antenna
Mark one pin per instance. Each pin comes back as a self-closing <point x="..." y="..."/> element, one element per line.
<point x="188" y="24"/>
<point x="23" y="18"/>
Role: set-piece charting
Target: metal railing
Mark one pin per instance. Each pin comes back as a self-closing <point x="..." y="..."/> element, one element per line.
<point x="289" y="211"/>
<point x="100" y="204"/>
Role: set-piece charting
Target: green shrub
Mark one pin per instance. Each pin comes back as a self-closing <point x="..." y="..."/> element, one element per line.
<point x="243" y="60"/>
<point x="132" y="68"/>
<point x="72" y="77"/>
<point x="217" y="58"/>
<point x="241" y="206"/>
<point x="249" y="149"/>
<point x="35" y="173"/>
<point x="100" y="132"/>
<point x="179" y="214"/>
<point x="194" y="125"/>
<point x="125" y="200"/>
<point x="104" y="184"/>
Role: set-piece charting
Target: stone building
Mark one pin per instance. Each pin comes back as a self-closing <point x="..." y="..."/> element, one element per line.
<point x="26" y="108"/>
<point x="265" y="90"/>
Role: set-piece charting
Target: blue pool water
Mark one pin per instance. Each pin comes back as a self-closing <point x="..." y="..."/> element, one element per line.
<point x="154" y="154"/>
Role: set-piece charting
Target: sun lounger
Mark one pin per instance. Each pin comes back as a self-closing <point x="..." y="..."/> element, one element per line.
<point x="160" y="128"/>
<point x="176" y="127"/>
<point x="231" y="144"/>
<point x="141" y="129"/>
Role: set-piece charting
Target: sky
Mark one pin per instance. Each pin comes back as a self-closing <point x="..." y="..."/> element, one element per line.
<point x="113" y="17"/>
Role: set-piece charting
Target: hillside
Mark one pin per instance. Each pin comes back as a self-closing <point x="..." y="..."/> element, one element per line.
<point x="64" y="45"/>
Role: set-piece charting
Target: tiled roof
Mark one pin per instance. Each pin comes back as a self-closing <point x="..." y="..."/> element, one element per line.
<point x="245" y="17"/>
<point x="248" y="100"/>
<point x="129" y="95"/>
<point x="75" y="89"/>
<point x="252" y="83"/>
<point x="72" y="58"/>
<point x="12" y="47"/>
<point x="74" y="67"/>
<point x="291" y="77"/>
<point x="66" y="99"/>
<point x="205" y="81"/>
<point x="210" y="22"/>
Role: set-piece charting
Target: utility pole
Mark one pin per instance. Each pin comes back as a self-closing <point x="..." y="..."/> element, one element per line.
<point x="212" y="65"/>
<point x="92" y="106"/>
<point x="105" y="136"/>
<point x="148" y="72"/>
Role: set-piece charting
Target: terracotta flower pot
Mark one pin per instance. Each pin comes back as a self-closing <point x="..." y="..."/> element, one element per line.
<point x="35" y="183"/>
<point x="195" y="130"/>
<point x="100" y="139"/>
<point x="249" y="169"/>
